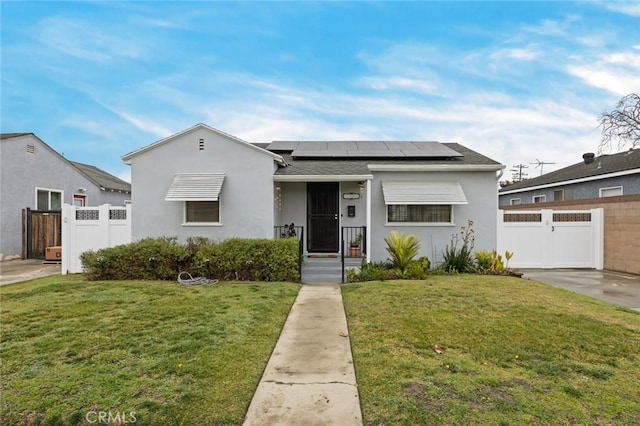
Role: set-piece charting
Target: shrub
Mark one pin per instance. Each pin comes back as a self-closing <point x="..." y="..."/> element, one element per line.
<point x="374" y="271"/>
<point x="250" y="260"/>
<point x="403" y="249"/>
<point x="147" y="259"/>
<point x="490" y="262"/>
<point x="164" y="259"/>
<point x="418" y="269"/>
<point x="460" y="259"/>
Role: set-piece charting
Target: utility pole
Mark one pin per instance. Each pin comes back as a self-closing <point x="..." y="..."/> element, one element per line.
<point x="518" y="173"/>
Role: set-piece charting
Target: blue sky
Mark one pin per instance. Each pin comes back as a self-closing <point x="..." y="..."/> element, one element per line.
<point x="516" y="81"/>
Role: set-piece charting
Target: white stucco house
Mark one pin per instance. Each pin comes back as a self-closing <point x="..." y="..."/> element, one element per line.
<point x="204" y="182"/>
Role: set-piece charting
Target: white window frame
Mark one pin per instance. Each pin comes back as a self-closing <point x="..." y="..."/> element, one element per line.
<point x="184" y="217"/>
<point x="610" y="188"/>
<point x="515" y="202"/>
<point x="50" y="191"/>
<point x="451" y="223"/>
<point x="541" y="198"/>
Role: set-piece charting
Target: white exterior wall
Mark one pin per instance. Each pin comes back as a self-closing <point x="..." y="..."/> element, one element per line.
<point x="481" y="190"/>
<point x="246" y="198"/>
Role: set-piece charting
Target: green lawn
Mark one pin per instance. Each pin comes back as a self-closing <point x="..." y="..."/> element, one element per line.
<point x="164" y="353"/>
<point x="517" y="352"/>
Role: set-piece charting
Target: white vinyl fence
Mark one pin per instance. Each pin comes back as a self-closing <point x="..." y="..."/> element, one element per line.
<point x="552" y="238"/>
<point x="92" y="228"/>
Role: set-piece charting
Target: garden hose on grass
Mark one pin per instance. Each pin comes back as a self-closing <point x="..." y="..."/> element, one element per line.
<point x="194" y="281"/>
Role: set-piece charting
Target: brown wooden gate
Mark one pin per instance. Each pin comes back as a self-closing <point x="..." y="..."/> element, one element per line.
<point x="41" y="229"/>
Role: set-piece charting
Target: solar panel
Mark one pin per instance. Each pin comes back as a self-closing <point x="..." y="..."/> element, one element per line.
<point x="308" y="153"/>
<point x="366" y="149"/>
<point x="283" y="145"/>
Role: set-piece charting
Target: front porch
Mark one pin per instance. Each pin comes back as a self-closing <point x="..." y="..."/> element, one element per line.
<point x="327" y="267"/>
<point x="327" y="216"/>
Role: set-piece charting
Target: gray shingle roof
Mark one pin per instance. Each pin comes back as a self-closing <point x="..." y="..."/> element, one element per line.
<point x="601" y="165"/>
<point x="102" y="178"/>
<point x="350" y="167"/>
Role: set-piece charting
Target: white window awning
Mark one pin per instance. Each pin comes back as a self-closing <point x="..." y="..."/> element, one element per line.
<point x="423" y="193"/>
<point x="195" y="187"/>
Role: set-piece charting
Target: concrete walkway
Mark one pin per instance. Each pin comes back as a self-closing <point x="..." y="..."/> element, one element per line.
<point x="310" y="379"/>
<point x="15" y="271"/>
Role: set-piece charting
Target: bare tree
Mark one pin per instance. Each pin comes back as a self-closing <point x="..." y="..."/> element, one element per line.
<point x="621" y="124"/>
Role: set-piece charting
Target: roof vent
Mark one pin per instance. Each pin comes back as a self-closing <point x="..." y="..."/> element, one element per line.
<point x="588" y="157"/>
<point x="31" y="149"/>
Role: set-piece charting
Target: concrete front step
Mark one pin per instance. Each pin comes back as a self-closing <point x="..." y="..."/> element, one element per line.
<point x="325" y="269"/>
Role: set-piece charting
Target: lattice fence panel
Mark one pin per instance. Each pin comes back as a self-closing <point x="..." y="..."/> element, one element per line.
<point x="87" y="214"/>
<point x="572" y="217"/>
<point x="118" y="214"/>
<point x="522" y="217"/>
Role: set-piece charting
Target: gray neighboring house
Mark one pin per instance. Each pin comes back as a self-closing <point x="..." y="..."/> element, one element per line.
<point x="594" y="177"/>
<point x="33" y="175"/>
<point x="204" y="182"/>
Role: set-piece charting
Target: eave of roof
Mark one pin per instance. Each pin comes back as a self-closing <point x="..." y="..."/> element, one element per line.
<point x="13" y="135"/>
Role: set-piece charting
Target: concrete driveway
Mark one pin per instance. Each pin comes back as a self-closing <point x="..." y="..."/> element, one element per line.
<point x="613" y="287"/>
<point x="14" y="271"/>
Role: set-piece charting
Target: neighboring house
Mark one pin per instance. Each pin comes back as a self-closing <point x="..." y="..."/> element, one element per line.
<point x="203" y="182"/>
<point x="594" y="177"/>
<point x="34" y="176"/>
<point x="610" y="182"/>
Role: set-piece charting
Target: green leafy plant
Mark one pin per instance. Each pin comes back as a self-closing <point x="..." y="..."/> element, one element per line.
<point x="460" y="259"/>
<point x="402" y="248"/>
<point x="490" y="262"/>
<point x="374" y="271"/>
<point x="356" y="241"/>
<point x="508" y="255"/>
<point x="418" y="269"/>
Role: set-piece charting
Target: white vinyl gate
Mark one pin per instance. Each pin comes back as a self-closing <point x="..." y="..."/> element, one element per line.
<point x="92" y="228"/>
<point x="552" y="238"/>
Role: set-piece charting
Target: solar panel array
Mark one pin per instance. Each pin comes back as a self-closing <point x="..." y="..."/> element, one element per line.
<point x="363" y="149"/>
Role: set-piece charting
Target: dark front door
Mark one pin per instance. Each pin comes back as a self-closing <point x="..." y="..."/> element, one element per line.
<point x="322" y="217"/>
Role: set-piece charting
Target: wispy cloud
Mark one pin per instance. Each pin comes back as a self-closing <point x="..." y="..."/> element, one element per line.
<point x="84" y="40"/>
<point x="626" y="8"/>
<point x="618" y="73"/>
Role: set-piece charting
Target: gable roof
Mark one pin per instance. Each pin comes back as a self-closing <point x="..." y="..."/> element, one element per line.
<point x="102" y="179"/>
<point x="465" y="159"/>
<point x="127" y="157"/>
<point x="98" y="177"/>
<point x="602" y="167"/>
